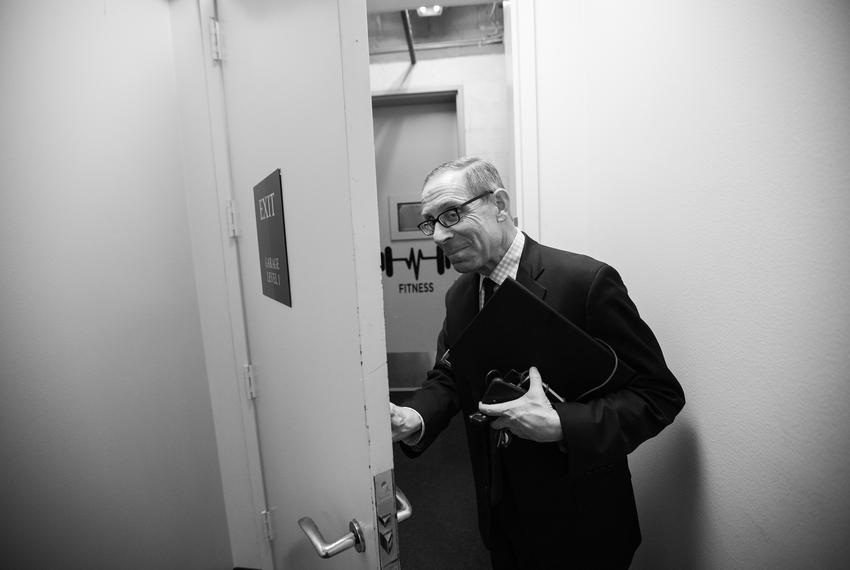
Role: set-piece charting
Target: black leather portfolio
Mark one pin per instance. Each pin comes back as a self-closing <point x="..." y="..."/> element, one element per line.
<point x="517" y="330"/>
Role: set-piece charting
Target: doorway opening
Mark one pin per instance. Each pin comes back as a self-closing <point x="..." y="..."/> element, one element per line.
<point x="454" y="101"/>
<point x="413" y="133"/>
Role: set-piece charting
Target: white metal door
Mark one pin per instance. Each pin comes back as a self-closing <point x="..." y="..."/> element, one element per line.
<point x="296" y="97"/>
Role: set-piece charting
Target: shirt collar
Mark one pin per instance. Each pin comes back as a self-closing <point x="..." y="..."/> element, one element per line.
<point x="508" y="266"/>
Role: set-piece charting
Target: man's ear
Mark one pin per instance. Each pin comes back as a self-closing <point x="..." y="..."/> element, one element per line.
<point x="503" y="202"/>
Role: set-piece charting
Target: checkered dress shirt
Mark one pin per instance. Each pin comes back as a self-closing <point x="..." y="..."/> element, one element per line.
<point x="507" y="267"/>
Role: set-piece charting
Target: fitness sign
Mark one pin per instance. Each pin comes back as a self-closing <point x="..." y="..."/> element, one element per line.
<point x="416" y="275"/>
<point x="414" y="261"/>
<point x="271" y="238"/>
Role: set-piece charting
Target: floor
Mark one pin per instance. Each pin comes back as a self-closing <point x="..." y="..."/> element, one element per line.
<point x="443" y="531"/>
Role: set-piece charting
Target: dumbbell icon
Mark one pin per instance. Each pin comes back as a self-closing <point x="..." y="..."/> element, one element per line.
<point x="414" y="261"/>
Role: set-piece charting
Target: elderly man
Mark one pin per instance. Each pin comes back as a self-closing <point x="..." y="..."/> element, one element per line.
<point x="561" y="495"/>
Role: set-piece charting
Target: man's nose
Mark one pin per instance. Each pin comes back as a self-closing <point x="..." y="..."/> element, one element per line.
<point x="441" y="234"/>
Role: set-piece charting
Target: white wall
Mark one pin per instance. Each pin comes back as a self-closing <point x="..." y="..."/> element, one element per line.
<point x="106" y="437"/>
<point x="486" y="106"/>
<point x="702" y="148"/>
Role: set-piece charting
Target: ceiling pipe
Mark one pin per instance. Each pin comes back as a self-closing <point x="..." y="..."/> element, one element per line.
<point x="408" y="33"/>
<point x="444" y="45"/>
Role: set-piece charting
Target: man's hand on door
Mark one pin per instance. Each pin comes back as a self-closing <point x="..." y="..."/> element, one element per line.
<point x="406" y="424"/>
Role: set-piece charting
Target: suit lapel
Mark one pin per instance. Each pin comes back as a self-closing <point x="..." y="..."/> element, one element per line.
<point x="531" y="268"/>
<point x="463" y="308"/>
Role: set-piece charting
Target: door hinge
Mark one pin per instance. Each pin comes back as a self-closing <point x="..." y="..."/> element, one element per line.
<point x="215" y="40"/>
<point x="268" y="531"/>
<point x="232" y="219"/>
<point x="250" y="385"/>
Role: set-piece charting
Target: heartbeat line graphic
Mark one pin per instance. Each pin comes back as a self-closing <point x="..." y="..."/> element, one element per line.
<point x="414" y="261"/>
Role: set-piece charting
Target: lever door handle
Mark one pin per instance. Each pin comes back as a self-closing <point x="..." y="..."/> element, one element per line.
<point x="404" y="510"/>
<point x="354" y="537"/>
<point x="327" y="549"/>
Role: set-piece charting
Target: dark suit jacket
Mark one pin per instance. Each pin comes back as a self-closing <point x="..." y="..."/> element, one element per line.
<point x="575" y="502"/>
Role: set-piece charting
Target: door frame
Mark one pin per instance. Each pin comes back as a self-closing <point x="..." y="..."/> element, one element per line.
<point x="428" y="95"/>
<point x="521" y="52"/>
<point x="212" y="222"/>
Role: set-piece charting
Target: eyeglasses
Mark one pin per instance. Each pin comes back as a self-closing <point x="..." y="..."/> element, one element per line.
<point x="448" y="218"/>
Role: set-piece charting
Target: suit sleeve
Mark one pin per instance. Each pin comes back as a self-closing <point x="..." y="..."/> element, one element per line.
<point x="436" y="401"/>
<point x="614" y="424"/>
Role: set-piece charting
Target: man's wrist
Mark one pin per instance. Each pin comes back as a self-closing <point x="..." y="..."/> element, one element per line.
<point x="417" y="427"/>
<point x="555" y="426"/>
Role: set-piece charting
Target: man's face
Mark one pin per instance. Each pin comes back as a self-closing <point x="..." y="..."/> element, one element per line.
<point x="473" y="243"/>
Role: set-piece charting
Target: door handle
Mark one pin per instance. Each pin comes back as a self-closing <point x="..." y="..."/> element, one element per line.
<point x="327" y="549"/>
<point x="354" y="537"/>
<point x="404" y="508"/>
